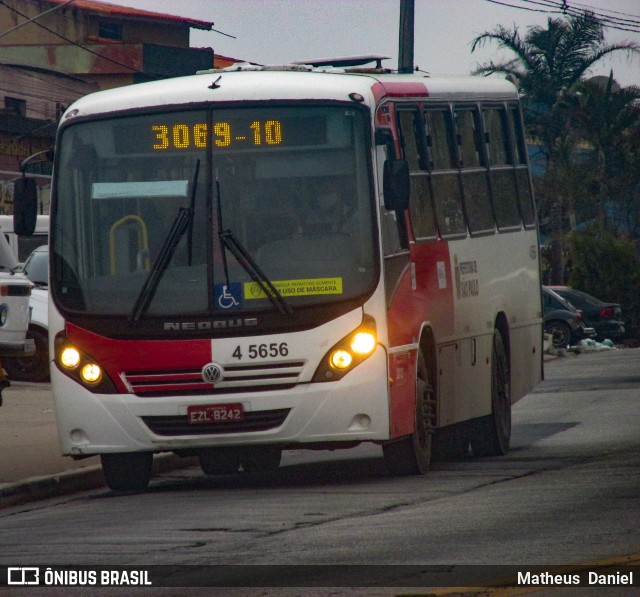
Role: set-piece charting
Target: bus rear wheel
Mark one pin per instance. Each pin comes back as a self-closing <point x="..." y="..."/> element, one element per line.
<point x="411" y="455"/>
<point x="129" y="471"/>
<point x="491" y="434"/>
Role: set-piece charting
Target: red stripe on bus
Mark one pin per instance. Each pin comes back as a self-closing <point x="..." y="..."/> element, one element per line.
<point x="429" y="302"/>
<point x="117" y="356"/>
<point x="399" y="89"/>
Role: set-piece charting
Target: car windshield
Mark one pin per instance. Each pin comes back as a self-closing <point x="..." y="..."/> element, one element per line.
<point x="36" y="267"/>
<point x="291" y="184"/>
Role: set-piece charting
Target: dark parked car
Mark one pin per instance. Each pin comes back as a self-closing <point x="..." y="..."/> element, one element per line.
<point x="605" y="318"/>
<point x="562" y="321"/>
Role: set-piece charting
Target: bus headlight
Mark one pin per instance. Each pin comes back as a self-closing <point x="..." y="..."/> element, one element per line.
<point x="4" y="313"/>
<point x="349" y="352"/>
<point x="69" y="357"/>
<point x="80" y="367"/>
<point x="363" y="343"/>
<point x="91" y="373"/>
<point x="341" y="359"/>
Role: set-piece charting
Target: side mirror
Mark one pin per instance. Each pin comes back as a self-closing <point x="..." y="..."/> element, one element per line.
<point x="25" y="206"/>
<point x="396" y="185"/>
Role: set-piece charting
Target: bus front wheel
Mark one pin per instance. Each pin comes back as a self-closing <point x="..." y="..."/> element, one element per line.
<point x="220" y="461"/>
<point x="411" y="455"/>
<point x="129" y="471"/>
<point x="261" y="459"/>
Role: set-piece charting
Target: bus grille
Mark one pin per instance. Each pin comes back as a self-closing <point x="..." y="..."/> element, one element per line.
<point x="236" y="378"/>
<point x="261" y="420"/>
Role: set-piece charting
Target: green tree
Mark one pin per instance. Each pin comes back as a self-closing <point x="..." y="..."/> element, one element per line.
<point x="548" y="63"/>
<point x="607" y="267"/>
<point x="603" y="117"/>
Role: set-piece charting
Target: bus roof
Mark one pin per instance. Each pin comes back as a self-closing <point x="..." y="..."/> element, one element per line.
<point x="293" y="82"/>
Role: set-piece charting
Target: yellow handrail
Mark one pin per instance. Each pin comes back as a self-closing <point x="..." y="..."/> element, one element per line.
<point x="143" y="239"/>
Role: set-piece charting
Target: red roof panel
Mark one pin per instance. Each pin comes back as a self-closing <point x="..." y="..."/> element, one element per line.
<point x="115" y="10"/>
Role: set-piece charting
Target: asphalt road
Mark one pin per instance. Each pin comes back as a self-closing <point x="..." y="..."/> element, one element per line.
<point x="567" y="493"/>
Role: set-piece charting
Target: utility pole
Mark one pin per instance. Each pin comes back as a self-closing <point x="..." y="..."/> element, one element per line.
<point x="405" y="44"/>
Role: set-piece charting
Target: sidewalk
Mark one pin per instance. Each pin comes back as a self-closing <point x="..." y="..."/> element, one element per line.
<point x="31" y="466"/>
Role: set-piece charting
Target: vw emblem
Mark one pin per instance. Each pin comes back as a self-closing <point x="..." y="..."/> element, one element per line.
<point x="212" y="373"/>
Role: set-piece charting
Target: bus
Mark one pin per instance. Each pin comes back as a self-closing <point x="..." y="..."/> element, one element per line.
<point x="257" y="259"/>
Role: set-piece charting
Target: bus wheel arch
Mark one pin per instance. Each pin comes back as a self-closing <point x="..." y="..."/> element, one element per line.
<point x="491" y="434"/>
<point x="411" y="454"/>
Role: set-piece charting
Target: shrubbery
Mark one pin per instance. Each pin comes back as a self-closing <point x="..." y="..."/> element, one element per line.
<point x="608" y="268"/>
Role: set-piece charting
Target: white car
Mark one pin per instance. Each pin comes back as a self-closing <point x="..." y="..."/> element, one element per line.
<point x="36" y="366"/>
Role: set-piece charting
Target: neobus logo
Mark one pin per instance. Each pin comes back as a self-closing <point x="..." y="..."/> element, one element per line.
<point x="212" y="324"/>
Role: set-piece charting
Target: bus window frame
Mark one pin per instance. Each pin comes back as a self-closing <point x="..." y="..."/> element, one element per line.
<point x="521" y="160"/>
<point x="511" y="159"/>
<point x="446" y="109"/>
<point x="482" y="167"/>
<point x="423" y="162"/>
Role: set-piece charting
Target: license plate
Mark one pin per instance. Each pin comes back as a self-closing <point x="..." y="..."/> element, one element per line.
<point x="215" y="413"/>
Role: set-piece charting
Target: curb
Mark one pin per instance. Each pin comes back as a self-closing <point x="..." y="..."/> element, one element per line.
<point x="68" y="482"/>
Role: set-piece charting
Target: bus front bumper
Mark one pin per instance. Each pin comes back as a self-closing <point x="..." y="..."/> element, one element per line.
<point x="354" y="409"/>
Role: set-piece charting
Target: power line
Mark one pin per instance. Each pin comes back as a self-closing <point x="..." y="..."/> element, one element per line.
<point x="607" y="20"/>
<point x="36" y="17"/>
<point x="563" y="7"/>
<point x="70" y="41"/>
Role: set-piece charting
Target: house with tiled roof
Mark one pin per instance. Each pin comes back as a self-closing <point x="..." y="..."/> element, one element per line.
<point x="99" y="42"/>
<point x="55" y="51"/>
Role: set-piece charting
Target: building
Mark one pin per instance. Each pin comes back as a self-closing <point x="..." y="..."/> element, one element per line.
<point x="31" y="102"/>
<point x="55" y="51"/>
<point x="100" y="43"/>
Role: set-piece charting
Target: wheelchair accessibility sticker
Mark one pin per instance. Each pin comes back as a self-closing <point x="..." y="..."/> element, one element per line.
<point x="228" y="297"/>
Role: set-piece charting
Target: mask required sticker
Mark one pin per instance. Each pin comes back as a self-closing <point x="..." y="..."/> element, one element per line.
<point x="288" y="288"/>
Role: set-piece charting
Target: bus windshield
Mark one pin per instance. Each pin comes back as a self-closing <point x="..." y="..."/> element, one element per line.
<point x="291" y="184"/>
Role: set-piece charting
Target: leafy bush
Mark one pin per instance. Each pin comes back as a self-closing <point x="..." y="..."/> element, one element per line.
<point x="607" y="268"/>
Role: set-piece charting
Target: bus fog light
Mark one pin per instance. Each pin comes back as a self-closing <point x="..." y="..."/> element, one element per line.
<point x="341" y="359"/>
<point x="363" y="343"/>
<point x="70" y="357"/>
<point x="91" y="373"/>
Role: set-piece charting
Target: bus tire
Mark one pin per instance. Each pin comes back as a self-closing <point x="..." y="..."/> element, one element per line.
<point x="260" y="459"/>
<point x="491" y="434"/>
<point x="411" y="455"/>
<point x="219" y="461"/>
<point x="129" y="471"/>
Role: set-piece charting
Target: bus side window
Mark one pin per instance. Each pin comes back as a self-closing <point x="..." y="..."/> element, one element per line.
<point x="415" y="152"/>
<point x="473" y="172"/>
<point x="501" y="165"/>
<point x="525" y="197"/>
<point x="444" y="173"/>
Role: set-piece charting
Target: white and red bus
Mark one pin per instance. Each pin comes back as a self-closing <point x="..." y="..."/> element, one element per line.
<point x="260" y="259"/>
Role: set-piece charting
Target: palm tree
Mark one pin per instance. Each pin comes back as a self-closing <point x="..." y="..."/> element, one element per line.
<point x="548" y="63"/>
<point x="605" y="116"/>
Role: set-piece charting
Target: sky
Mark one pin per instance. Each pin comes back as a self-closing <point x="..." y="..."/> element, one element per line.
<point x="283" y="31"/>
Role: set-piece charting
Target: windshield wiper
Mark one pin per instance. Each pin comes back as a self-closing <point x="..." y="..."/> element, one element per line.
<point x="160" y="265"/>
<point x="182" y="222"/>
<point x="248" y="263"/>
